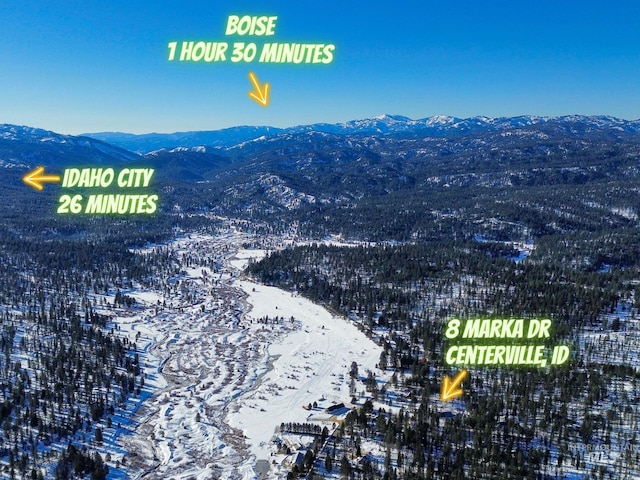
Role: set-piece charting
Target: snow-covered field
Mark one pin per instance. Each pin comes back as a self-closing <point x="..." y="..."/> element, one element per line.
<point x="311" y="364"/>
<point x="227" y="361"/>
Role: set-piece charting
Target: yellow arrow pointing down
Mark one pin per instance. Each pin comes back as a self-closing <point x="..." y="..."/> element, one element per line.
<point x="449" y="389"/>
<point x="35" y="178"/>
<point x="260" y="95"/>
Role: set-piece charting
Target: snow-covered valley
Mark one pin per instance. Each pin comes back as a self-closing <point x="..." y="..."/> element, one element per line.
<point x="226" y="362"/>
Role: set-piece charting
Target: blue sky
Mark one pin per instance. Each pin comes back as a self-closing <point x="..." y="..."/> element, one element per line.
<point x="102" y="66"/>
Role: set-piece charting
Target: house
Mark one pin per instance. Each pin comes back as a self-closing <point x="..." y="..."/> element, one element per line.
<point x="296" y="458"/>
<point x="334" y="409"/>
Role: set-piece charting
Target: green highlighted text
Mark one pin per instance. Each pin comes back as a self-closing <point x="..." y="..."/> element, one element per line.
<point x="508" y="342"/>
<point x="138" y="202"/>
<point x="246" y="52"/>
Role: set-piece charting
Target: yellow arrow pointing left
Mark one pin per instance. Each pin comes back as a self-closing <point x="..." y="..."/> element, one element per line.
<point x="449" y="389"/>
<point x="35" y="178"/>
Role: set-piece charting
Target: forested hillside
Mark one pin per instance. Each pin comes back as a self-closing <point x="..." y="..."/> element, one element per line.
<point x="515" y="423"/>
<point x="65" y="371"/>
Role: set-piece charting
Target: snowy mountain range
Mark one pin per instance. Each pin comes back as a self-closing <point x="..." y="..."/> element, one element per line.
<point x="381" y="144"/>
<point x="23" y="145"/>
<point x="438" y="126"/>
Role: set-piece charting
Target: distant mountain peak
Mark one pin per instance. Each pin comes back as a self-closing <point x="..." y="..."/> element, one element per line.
<point x="440" y="120"/>
<point x="385" y="117"/>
